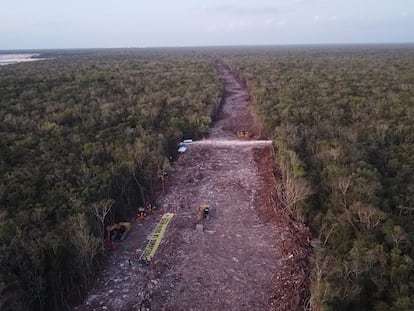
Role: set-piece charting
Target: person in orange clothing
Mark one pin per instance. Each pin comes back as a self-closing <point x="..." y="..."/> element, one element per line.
<point x="150" y="209"/>
<point x="141" y="213"/>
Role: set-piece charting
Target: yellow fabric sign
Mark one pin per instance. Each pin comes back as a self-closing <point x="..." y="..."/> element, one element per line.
<point x="156" y="237"/>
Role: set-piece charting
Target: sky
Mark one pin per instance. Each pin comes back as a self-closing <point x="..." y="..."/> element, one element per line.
<point x="42" y="24"/>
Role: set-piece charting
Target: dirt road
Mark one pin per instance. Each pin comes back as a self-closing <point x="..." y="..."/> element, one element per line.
<point x="249" y="256"/>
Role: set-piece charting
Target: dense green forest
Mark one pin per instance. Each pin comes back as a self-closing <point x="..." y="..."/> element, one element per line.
<point x="82" y="134"/>
<point x="90" y="131"/>
<point x="342" y="119"/>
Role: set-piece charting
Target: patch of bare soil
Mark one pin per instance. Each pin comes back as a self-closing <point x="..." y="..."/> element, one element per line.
<point x="249" y="256"/>
<point x="235" y="114"/>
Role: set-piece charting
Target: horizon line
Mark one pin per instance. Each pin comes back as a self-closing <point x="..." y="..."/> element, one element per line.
<point x="208" y="46"/>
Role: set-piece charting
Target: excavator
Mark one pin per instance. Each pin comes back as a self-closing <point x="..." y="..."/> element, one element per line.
<point x="118" y="231"/>
<point x="244" y="134"/>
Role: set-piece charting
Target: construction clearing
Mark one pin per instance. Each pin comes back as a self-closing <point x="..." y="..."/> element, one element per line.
<point x="246" y="255"/>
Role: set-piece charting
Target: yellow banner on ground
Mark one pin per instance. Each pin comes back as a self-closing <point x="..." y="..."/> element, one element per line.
<point x="156" y="238"/>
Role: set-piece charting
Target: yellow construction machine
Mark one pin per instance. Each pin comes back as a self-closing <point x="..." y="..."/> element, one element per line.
<point x="244" y="134"/>
<point x="118" y="231"/>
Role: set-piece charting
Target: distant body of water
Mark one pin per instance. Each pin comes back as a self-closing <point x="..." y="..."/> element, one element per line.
<point x="8" y="59"/>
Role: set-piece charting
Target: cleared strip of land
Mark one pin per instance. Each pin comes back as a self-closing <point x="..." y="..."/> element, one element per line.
<point x="248" y="255"/>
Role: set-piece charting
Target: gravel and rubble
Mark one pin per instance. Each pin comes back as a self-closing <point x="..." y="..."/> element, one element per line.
<point x="247" y="256"/>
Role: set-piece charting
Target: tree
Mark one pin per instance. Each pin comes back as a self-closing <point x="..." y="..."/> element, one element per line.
<point x="100" y="210"/>
<point x="80" y="236"/>
<point x="366" y="216"/>
<point x="344" y="185"/>
<point x="294" y="188"/>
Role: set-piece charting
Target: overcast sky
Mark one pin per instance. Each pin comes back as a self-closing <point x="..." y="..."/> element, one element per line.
<point x="26" y="24"/>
